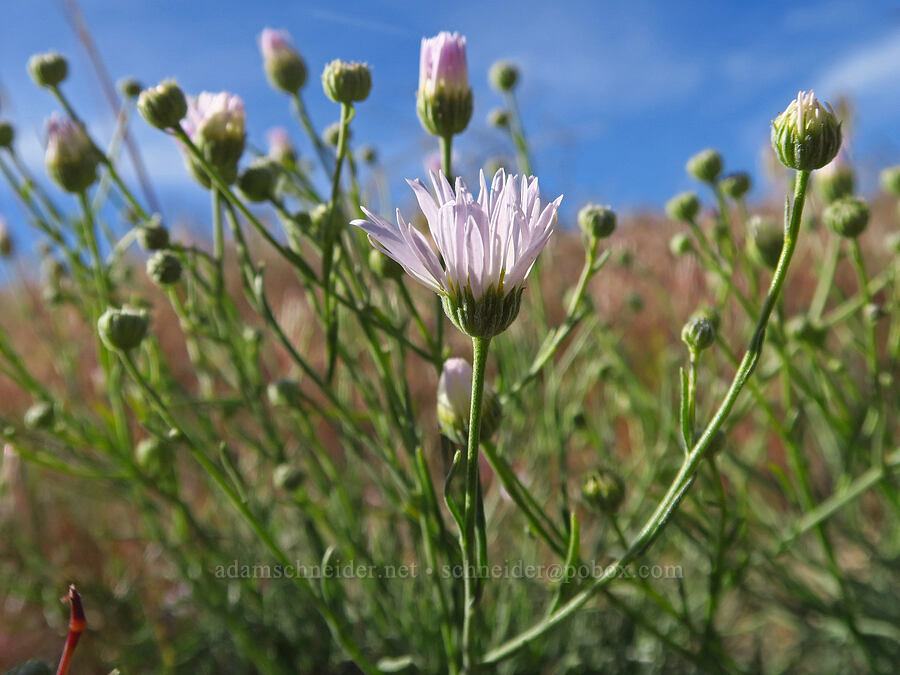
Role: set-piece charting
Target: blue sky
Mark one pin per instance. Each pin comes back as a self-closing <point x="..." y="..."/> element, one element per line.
<point x="615" y="95"/>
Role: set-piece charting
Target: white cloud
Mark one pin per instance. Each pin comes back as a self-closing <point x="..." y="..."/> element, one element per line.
<point x="869" y="73"/>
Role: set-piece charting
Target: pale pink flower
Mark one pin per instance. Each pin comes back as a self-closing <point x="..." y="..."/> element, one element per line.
<point x="488" y="244"/>
<point x="442" y="62"/>
<point x="273" y="43"/>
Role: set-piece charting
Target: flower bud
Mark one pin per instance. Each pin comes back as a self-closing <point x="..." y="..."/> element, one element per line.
<point x="332" y="134"/>
<point x="680" y="244"/>
<point x="163" y="106"/>
<point x="503" y="75"/>
<point x="874" y="312"/>
<point x="288" y="477"/>
<point x="7" y="134"/>
<point x="257" y="182"/>
<point x="454" y="399"/>
<point x="498" y="117"/>
<point x="807" y="135"/>
<point x="367" y="153"/>
<point x="736" y="185"/>
<point x="483" y="317"/>
<point x="71" y="157"/>
<point x="706" y="165"/>
<point x="835" y="181"/>
<point x="892" y="243"/>
<point x="768" y="239"/>
<point x="625" y="258"/>
<point x="604" y="490"/>
<point x="847" y="217"/>
<point x="284" y="66"/>
<point x="153" y="236"/>
<point x="347" y="82"/>
<point x="802" y="329"/>
<point x="31" y="667"/>
<point x="130" y="87"/>
<point x="164" y="268"/>
<point x="6" y="242"/>
<point x="444" y="99"/>
<point x="154" y="455"/>
<point x="280" y="147"/>
<point x="890" y="180"/>
<point x="709" y="313"/>
<point x="683" y="207"/>
<point x="698" y="334"/>
<point x="635" y="302"/>
<point x="597" y="222"/>
<point x="216" y="124"/>
<point x="49" y="69"/>
<point x="284" y="393"/>
<point x="123" y="329"/>
<point x="384" y="266"/>
<point x="40" y="416"/>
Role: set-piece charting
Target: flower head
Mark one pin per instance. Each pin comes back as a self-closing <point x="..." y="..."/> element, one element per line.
<point x="283" y="64"/>
<point x="488" y="246"/>
<point x="444" y="98"/>
<point x="71" y="157"/>
<point x="215" y="123"/>
<point x="807" y="135"/>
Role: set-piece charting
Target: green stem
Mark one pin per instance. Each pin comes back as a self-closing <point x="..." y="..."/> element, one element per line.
<point x="479" y="362"/>
<point x="447" y="156"/>
<point x="683" y="480"/>
<point x="316" y="139"/>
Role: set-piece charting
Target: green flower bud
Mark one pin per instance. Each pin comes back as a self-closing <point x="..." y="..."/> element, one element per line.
<point x="283" y="64"/>
<point x="367" y="153"/>
<point x="706" y="165"/>
<point x="346" y="82"/>
<point x="164" y="268"/>
<point x="736" y="185"/>
<point x="444" y="100"/>
<point x="130" y="87"/>
<point x="153" y="236"/>
<point x="71" y="158"/>
<point x="163" y="106"/>
<point x="284" y="393"/>
<point x="683" y="207"/>
<point x="498" y="117"/>
<point x="698" y="334"/>
<point x="49" y="69"/>
<point x="154" y="455"/>
<point x="597" y="222"/>
<point x="625" y="257"/>
<point x="768" y="239"/>
<point x="123" y="329"/>
<point x="835" y="183"/>
<point x="7" y="134"/>
<point x="890" y="180"/>
<point x="711" y="314"/>
<point x="807" y="135"/>
<point x="332" y="134"/>
<point x="288" y="477"/>
<point x="41" y="415"/>
<point x="604" y="490"/>
<point x="257" y="182"/>
<point x="454" y="397"/>
<point x="635" y="302"/>
<point x="680" y="244"/>
<point x="802" y="329"/>
<point x="847" y="217"/>
<point x="503" y="75"/>
<point x="384" y="266"/>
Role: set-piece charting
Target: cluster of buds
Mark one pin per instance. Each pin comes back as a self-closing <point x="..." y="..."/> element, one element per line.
<point x="454" y="402"/>
<point x="807" y="135"/>
<point x="215" y="123"/>
<point x="444" y="99"/>
<point x="347" y="82"/>
<point x="71" y="157"/>
<point x="283" y="64"/>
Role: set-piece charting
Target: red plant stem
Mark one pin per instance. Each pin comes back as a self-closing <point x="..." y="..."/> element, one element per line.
<point x="77" y="624"/>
